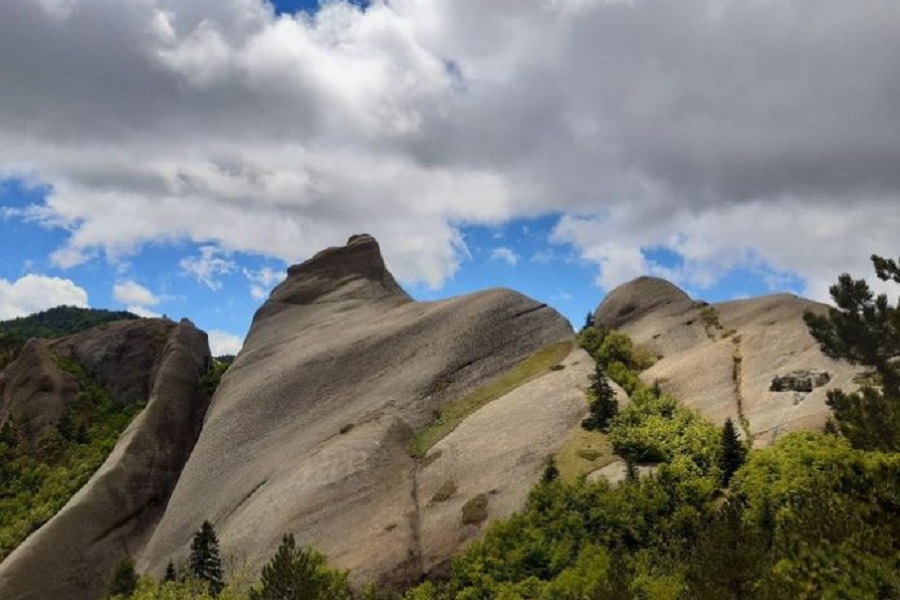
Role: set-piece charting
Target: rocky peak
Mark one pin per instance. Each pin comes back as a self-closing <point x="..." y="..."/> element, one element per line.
<point x="635" y="299"/>
<point x="355" y="271"/>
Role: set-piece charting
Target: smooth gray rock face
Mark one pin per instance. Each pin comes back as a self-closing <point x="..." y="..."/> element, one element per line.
<point x="309" y="430"/>
<point x="72" y="555"/>
<point x="721" y="358"/>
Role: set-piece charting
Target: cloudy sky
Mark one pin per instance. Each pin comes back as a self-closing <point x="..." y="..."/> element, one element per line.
<point x="173" y="156"/>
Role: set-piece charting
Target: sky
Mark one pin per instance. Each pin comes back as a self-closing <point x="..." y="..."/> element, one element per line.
<point x="173" y="158"/>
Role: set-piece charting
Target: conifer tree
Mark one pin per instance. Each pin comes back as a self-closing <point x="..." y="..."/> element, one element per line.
<point x="300" y="574"/>
<point x="733" y="452"/>
<point x="865" y="329"/>
<point x="205" y="563"/>
<point x="170" y="575"/>
<point x="604" y="406"/>
<point x="124" y="579"/>
<point x="551" y="471"/>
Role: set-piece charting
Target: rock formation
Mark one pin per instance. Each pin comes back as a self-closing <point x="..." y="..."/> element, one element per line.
<point x="721" y="358"/>
<point x="71" y="556"/>
<point x="310" y="429"/>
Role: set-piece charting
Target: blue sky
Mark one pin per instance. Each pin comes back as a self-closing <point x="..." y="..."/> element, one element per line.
<point x="174" y="158"/>
<point x="519" y="254"/>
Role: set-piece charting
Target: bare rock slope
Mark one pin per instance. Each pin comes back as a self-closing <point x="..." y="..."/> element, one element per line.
<point x="156" y="361"/>
<point x="722" y="358"/>
<point x="310" y="429"/>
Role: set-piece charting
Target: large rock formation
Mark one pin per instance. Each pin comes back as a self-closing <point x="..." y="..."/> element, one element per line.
<point x="157" y="361"/>
<point x="721" y="358"/>
<point x="310" y="429"/>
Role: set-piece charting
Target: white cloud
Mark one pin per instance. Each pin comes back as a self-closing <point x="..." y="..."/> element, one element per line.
<point x="222" y="342"/>
<point x="34" y="293"/>
<point x="643" y="121"/>
<point x="131" y="292"/>
<point x="505" y="254"/>
<point x="263" y="280"/>
<point x="143" y="311"/>
<point x="207" y="267"/>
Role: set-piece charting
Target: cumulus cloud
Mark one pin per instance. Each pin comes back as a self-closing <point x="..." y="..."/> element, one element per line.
<point x="131" y="292"/>
<point x="34" y="293"/>
<point x="505" y="254"/>
<point x="649" y="124"/>
<point x="222" y="342"/>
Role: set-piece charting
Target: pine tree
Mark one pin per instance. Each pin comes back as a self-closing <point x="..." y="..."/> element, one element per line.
<point x="300" y="574"/>
<point x="551" y="471"/>
<point x="604" y="406"/>
<point x="865" y="330"/>
<point x="733" y="452"/>
<point x="205" y="563"/>
<point x="170" y="575"/>
<point x="124" y="579"/>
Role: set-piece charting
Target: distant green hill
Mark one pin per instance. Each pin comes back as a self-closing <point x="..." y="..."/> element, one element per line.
<point x="52" y="323"/>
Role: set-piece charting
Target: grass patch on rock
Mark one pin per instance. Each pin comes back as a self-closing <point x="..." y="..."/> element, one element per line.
<point x="475" y="510"/>
<point x="451" y="415"/>
<point x="445" y="492"/>
<point x="583" y="452"/>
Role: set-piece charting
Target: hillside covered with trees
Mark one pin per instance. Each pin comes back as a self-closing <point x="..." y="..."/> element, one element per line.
<point x="52" y="323"/>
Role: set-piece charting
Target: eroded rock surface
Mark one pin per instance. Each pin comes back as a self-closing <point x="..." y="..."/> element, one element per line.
<point x="310" y="429"/>
<point x="721" y="358"/>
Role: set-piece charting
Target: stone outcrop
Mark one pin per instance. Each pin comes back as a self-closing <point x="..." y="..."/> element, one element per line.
<point x="71" y="556"/>
<point x="34" y="390"/>
<point x="721" y="358"/>
<point x="801" y="380"/>
<point x="310" y="429"/>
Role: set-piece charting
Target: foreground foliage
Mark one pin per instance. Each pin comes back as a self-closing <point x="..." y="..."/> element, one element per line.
<point x="865" y="329"/>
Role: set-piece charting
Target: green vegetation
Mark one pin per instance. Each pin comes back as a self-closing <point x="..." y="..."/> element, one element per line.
<point x="617" y="356"/>
<point x="583" y="452"/>
<point x="709" y="317"/>
<point x="124" y="579"/>
<point x="734" y="454"/>
<point x="445" y="492"/>
<point x="37" y="477"/>
<point x="62" y="321"/>
<point x="210" y="380"/>
<point x="475" y="510"/>
<point x="814" y="516"/>
<point x="205" y="562"/>
<point x="865" y="329"/>
<point x="300" y="574"/>
<point x="53" y="323"/>
<point x="454" y="413"/>
<point x="602" y="402"/>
